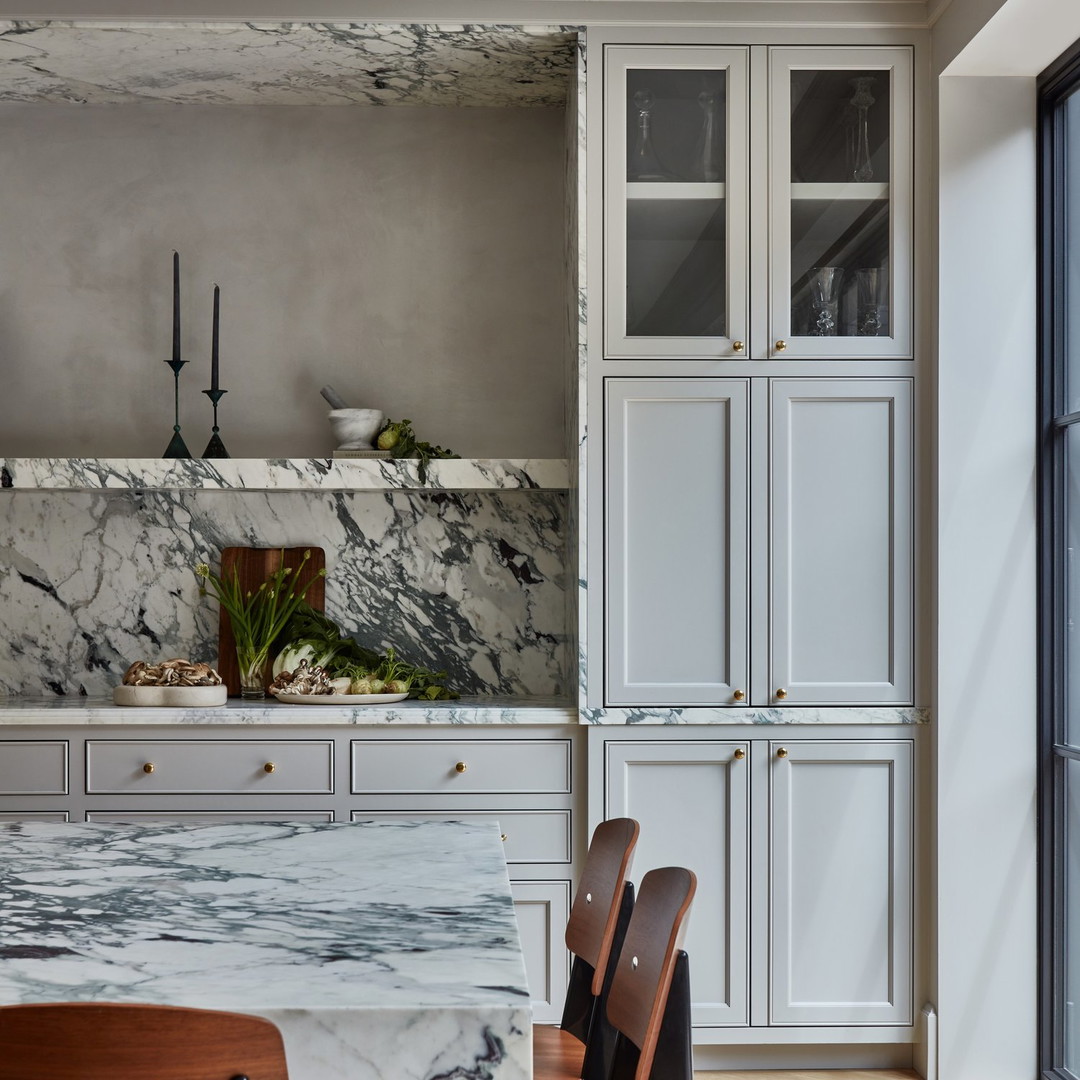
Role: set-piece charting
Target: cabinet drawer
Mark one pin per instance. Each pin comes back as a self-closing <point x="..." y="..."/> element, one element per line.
<point x="188" y="767"/>
<point x="33" y="768"/>
<point x="531" y="836"/>
<point x="7" y="816"/>
<point x="461" y="766"/>
<point x="204" y="817"/>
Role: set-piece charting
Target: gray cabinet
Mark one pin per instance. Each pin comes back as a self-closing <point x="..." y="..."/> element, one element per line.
<point x="841" y="850"/>
<point x="827" y="551"/>
<point x="804" y="852"/>
<point x="841" y="535"/>
<point x="692" y="800"/>
<point x="676" y="541"/>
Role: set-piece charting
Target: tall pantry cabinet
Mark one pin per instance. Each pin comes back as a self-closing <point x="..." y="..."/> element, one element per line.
<point x="751" y="527"/>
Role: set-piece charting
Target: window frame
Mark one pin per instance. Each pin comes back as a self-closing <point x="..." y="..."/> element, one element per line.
<point x="1059" y="82"/>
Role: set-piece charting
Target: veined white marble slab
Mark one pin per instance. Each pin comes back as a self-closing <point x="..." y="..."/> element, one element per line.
<point x="383" y="951"/>
<point x="282" y="474"/>
<point x="66" y="711"/>
<point x="837" y="714"/>
<point x="275" y="63"/>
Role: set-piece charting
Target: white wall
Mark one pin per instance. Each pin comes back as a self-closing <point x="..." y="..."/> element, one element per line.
<point x="986" y="661"/>
<point x="412" y="257"/>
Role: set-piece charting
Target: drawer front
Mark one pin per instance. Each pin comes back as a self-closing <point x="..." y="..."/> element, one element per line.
<point x="202" y="817"/>
<point x="33" y="768"/>
<point x="461" y="766"/>
<point x="33" y="815"/>
<point x="187" y="767"/>
<point x="531" y="836"/>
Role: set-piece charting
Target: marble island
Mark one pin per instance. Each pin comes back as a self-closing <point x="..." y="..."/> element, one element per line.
<point x="382" y="951"/>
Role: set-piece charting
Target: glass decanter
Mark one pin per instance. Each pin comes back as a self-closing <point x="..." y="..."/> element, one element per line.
<point x="862" y="99"/>
<point x="644" y="163"/>
<point x="707" y="151"/>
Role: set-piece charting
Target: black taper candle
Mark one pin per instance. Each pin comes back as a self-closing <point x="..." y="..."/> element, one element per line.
<point x="176" y="305"/>
<point x="214" y="347"/>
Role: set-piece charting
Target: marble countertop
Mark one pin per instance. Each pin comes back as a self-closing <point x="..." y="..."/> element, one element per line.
<point x="78" y="711"/>
<point x="380" y="949"/>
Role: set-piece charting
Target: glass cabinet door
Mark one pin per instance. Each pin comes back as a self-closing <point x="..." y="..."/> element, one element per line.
<point x="840" y="204"/>
<point x="675" y="202"/>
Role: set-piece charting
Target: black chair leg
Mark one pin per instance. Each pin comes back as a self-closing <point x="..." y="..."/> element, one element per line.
<point x="600" y="1042"/>
<point x="674" y="1058"/>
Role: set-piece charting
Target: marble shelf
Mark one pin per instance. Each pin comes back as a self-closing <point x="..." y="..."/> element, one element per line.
<point x="281" y="474"/>
<point x="78" y="711"/>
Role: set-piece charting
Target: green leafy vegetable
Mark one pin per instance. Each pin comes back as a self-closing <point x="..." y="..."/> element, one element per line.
<point x="397" y="436"/>
<point x="312" y="636"/>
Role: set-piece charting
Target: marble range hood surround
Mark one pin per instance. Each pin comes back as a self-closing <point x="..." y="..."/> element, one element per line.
<point x="266" y="63"/>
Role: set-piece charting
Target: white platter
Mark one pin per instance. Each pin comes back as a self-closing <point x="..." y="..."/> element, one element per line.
<point x="338" y="699"/>
<point x="177" y="697"/>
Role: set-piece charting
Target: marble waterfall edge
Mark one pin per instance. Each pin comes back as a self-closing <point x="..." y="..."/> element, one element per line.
<point x="471" y="583"/>
<point x="383" y="951"/>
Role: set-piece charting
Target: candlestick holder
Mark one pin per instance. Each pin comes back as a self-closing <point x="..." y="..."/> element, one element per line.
<point x="215" y="448"/>
<point x="176" y="448"/>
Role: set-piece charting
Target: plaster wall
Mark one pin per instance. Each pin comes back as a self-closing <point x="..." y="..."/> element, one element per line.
<point x="411" y="257"/>
<point x="985" y="710"/>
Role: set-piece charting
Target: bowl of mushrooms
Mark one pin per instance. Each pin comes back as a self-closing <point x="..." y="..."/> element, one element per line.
<point x="176" y="683"/>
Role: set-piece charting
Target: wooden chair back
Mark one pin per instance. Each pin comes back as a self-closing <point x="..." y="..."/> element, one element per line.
<point x="639" y="989"/>
<point x="90" y="1041"/>
<point x="591" y="927"/>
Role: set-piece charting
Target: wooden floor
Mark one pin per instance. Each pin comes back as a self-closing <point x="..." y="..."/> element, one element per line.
<point x="813" y="1074"/>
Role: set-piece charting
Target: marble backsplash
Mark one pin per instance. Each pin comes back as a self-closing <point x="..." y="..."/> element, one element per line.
<point x="471" y="583"/>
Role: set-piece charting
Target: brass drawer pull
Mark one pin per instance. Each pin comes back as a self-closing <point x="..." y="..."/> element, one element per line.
<point x="461" y="766"/>
<point x="269" y="767"/>
<point x="148" y="767"/>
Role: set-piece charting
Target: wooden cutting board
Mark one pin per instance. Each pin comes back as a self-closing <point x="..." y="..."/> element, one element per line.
<point x="254" y="566"/>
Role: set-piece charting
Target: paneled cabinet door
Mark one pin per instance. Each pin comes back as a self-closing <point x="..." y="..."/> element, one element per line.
<point x="691" y="801"/>
<point x="840" y="204"/>
<point x="675" y="185"/>
<point x="676" y="541"/>
<point x="542" y="908"/>
<point x="841" y="881"/>
<point x="841" y="541"/>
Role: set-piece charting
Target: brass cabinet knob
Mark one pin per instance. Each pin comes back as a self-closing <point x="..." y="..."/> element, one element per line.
<point x="461" y="766"/>
<point x="782" y="752"/>
<point x="738" y="754"/>
<point x="780" y="345"/>
<point x="148" y="767"/>
<point x="781" y="694"/>
<point x="739" y="695"/>
<point x="269" y="767"/>
<point x="503" y="838"/>
<point x="737" y="346"/>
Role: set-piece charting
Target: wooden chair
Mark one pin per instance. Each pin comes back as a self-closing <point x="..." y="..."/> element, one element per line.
<point x="649" y="1003"/>
<point x="594" y="932"/>
<point x="88" y="1041"/>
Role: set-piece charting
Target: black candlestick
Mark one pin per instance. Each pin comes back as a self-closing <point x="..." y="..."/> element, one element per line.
<point x="215" y="448"/>
<point x="176" y="447"/>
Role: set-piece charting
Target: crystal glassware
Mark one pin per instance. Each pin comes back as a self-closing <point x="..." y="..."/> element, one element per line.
<point x="825" y="294"/>
<point x="872" y="312"/>
<point x="862" y="99"/>
<point x="707" y="151"/>
<point x="644" y="163"/>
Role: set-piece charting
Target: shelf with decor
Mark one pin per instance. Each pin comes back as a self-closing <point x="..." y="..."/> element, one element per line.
<point x="282" y="474"/>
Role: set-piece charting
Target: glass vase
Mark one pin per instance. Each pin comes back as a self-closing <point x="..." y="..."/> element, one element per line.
<point x="644" y="163"/>
<point x="825" y="293"/>
<point x="252" y="662"/>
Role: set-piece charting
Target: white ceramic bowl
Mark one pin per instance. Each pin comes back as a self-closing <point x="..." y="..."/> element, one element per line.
<point x="177" y="697"/>
<point x="355" y="429"/>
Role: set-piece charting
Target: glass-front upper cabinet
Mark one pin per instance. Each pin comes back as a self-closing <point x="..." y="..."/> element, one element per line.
<point x="840" y="204"/>
<point x="676" y="214"/>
